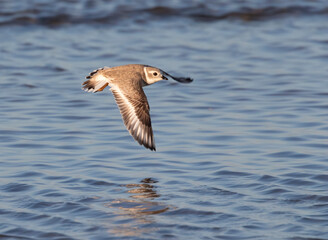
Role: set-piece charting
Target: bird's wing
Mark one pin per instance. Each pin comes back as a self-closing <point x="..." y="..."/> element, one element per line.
<point x="97" y="81"/>
<point x="134" y="109"/>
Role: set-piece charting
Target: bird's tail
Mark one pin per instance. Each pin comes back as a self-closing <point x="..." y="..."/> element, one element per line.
<point x="97" y="81"/>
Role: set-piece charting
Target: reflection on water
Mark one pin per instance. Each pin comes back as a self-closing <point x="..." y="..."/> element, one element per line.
<point x="133" y="213"/>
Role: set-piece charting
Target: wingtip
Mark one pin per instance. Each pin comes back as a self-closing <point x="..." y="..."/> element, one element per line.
<point x="151" y="147"/>
<point x="89" y="89"/>
<point x="189" y="80"/>
<point x="179" y="79"/>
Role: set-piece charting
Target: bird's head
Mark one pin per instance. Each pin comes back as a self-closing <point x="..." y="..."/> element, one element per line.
<point x="153" y="75"/>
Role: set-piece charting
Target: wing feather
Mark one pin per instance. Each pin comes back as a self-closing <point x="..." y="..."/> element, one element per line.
<point x="134" y="109"/>
<point x="97" y="81"/>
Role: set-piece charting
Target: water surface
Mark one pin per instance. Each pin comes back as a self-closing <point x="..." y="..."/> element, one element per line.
<point x="241" y="152"/>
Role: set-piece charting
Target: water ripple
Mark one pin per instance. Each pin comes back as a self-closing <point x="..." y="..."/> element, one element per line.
<point x="241" y="152"/>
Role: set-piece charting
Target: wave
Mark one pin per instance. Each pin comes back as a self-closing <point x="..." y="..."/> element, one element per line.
<point x="86" y="13"/>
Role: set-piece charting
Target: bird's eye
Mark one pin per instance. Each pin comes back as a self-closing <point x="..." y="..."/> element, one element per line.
<point x="155" y="73"/>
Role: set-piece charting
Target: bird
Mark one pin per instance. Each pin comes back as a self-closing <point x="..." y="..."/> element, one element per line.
<point x="126" y="83"/>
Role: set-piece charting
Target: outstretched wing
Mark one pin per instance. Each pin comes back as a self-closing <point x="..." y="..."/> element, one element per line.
<point x="134" y="109"/>
<point x="97" y="81"/>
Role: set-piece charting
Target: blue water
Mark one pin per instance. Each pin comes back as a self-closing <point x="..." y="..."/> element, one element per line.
<point x="241" y="152"/>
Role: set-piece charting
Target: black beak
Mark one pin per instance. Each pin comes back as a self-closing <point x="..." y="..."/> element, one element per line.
<point x="164" y="78"/>
<point x="178" y="79"/>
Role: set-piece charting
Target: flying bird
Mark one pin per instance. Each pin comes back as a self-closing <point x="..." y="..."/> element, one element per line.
<point x="126" y="83"/>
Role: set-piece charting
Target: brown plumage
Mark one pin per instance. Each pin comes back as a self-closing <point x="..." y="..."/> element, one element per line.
<point x="126" y="84"/>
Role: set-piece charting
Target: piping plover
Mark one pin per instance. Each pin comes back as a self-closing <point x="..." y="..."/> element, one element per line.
<point x="126" y="84"/>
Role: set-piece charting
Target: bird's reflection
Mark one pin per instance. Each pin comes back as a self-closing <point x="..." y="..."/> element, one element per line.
<point x="134" y="215"/>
